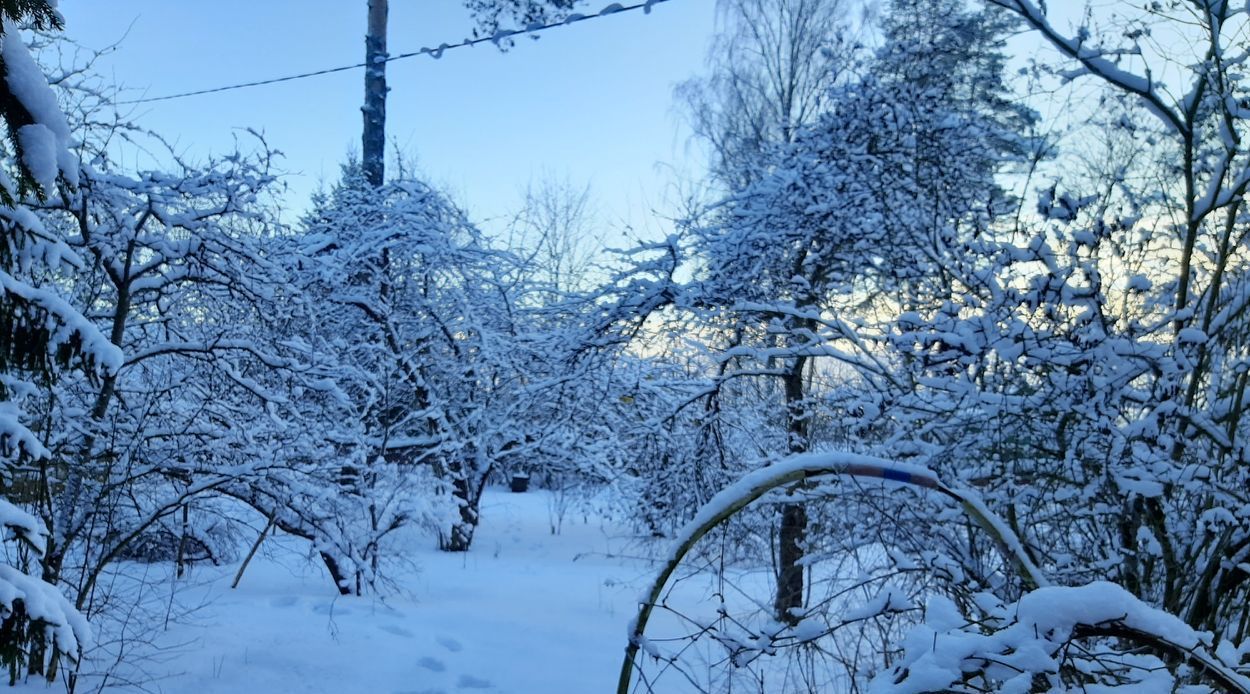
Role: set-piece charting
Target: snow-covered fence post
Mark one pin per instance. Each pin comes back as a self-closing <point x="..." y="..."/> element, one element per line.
<point x="797" y="469"/>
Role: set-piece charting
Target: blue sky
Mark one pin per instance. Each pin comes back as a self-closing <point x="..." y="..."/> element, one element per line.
<point x="591" y="102"/>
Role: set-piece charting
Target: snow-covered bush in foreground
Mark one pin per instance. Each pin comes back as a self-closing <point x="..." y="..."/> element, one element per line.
<point x="1096" y="637"/>
<point x="1093" y="637"/>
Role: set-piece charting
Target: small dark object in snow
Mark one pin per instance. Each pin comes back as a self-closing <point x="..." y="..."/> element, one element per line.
<point x="520" y="483"/>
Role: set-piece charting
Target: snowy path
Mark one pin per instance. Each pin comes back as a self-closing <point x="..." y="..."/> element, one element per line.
<point x="516" y="614"/>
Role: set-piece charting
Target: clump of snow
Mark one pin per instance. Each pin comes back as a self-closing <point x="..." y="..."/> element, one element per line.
<point x="28" y="85"/>
<point x="39" y="154"/>
<point x="44" y="603"/>
<point x="890" y="599"/>
<point x="942" y="652"/>
<point x="66" y="322"/>
<point x="24" y="524"/>
<point x="15" y="437"/>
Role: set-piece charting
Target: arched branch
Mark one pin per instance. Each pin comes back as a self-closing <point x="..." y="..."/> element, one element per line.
<point x="805" y="467"/>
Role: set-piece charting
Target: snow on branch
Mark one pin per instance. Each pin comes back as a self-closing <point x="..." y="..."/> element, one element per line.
<point x="44" y="604"/>
<point x="1094" y="62"/>
<point x="1036" y="629"/>
<point x="67" y="325"/>
<point x="42" y="135"/>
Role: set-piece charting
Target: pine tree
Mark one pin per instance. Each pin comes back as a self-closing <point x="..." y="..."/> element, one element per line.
<point x="39" y="333"/>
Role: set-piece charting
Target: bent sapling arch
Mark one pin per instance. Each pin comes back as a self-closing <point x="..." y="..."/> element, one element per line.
<point x="812" y="465"/>
<point x="798" y="468"/>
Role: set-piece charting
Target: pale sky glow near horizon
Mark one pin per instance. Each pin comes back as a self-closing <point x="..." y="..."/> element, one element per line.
<point x="590" y="103"/>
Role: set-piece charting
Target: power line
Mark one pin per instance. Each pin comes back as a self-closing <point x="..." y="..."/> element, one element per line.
<point x="497" y="38"/>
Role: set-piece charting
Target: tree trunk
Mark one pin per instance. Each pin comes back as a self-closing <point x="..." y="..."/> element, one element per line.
<point x="341" y="581"/>
<point x="793" y="529"/>
<point x="789" y="562"/>
<point x="461" y="535"/>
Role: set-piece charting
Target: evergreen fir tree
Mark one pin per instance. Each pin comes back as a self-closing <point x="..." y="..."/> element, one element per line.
<point x="39" y="332"/>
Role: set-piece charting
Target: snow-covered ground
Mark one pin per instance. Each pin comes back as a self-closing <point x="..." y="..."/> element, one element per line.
<point x="524" y="611"/>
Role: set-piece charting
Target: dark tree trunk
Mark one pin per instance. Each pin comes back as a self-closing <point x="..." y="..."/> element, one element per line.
<point x="341" y="580"/>
<point x="793" y="531"/>
<point x="461" y="535"/>
<point x="789" y="561"/>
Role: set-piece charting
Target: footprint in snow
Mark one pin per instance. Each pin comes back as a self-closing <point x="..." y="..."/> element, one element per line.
<point x="471" y="682"/>
<point x="331" y="608"/>
<point x="284" y="601"/>
<point x="450" y="644"/>
<point x="433" y="664"/>
<point x="398" y="631"/>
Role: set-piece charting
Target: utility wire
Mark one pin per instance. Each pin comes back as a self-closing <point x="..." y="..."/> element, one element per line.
<point x="497" y="38"/>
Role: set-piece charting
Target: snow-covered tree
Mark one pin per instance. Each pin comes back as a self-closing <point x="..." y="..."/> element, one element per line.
<point x="1077" y="365"/>
<point x="40" y="332"/>
<point x="854" y="213"/>
<point x="425" y="311"/>
<point x="176" y="268"/>
<point x="1121" y="320"/>
<point x="774" y="65"/>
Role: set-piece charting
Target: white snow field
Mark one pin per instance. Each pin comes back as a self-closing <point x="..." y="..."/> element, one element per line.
<point x="523" y="611"/>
